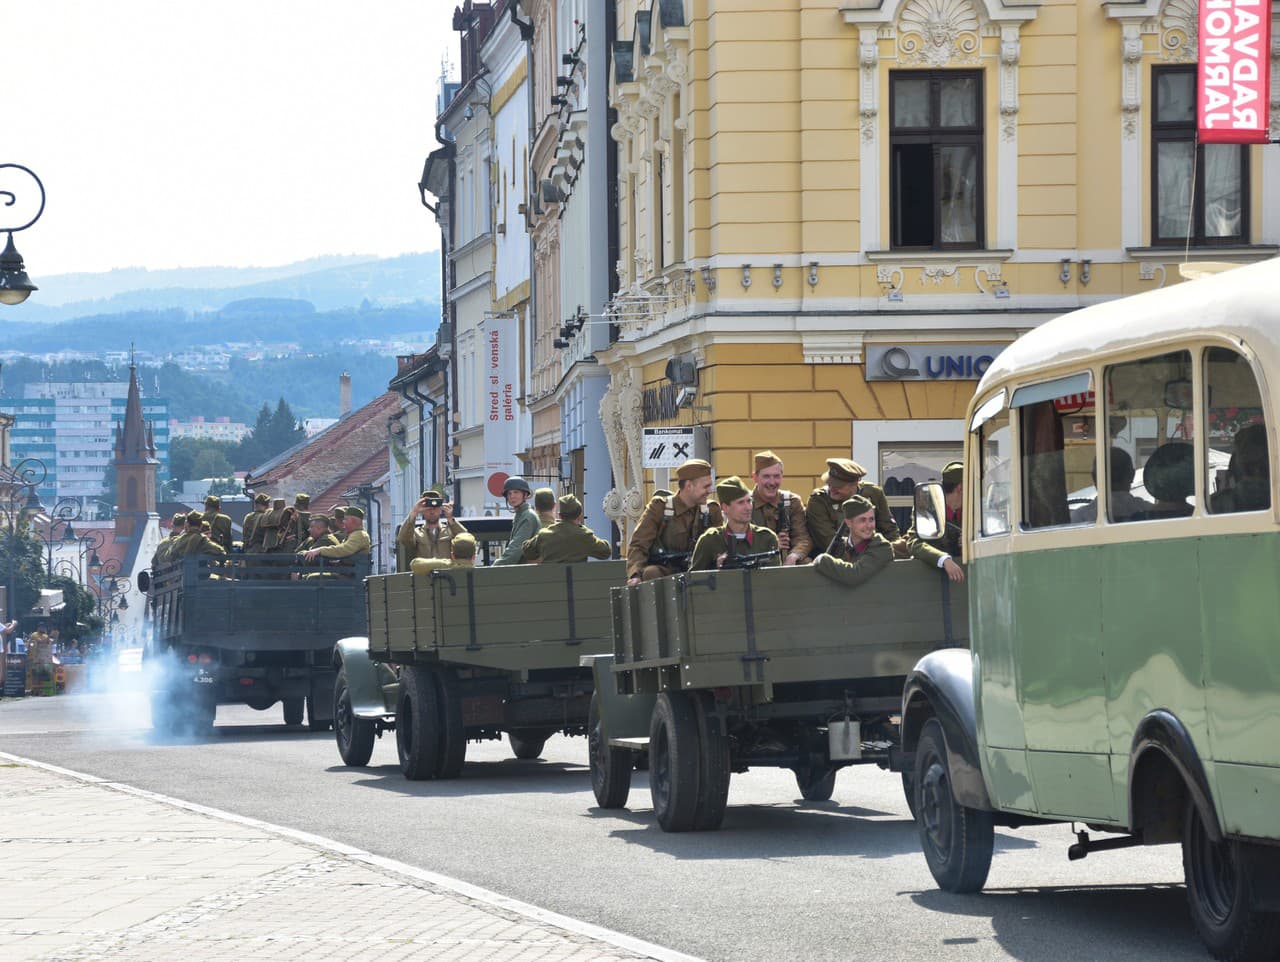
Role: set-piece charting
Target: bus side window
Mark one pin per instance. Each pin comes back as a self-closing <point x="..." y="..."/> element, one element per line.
<point x="1238" y="471"/>
<point x="1057" y="438"/>
<point x="995" y="438"/>
<point x="1151" y="433"/>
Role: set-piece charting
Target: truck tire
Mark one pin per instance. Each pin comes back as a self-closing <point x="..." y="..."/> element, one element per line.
<point x="453" y="736"/>
<point x="527" y="743"/>
<point x="354" y="735"/>
<point x="1219" y="881"/>
<point x="816" y="784"/>
<point x="674" y="761"/>
<point x="418" y="723"/>
<point x="957" y="841"/>
<point x="909" y="791"/>
<point x="293" y="710"/>
<point x="610" y="767"/>
<point x="713" y="769"/>
<point x="314" y="723"/>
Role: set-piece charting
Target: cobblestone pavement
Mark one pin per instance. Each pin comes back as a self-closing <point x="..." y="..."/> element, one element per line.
<point x="89" y="871"/>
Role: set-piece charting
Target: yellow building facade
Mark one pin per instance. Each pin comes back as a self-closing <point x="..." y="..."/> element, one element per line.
<point x="836" y="211"/>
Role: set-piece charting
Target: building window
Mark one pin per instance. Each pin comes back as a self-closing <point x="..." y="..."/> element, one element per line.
<point x="935" y="149"/>
<point x="1214" y="176"/>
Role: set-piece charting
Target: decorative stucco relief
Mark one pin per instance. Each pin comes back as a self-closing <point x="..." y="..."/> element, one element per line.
<point x="937" y="33"/>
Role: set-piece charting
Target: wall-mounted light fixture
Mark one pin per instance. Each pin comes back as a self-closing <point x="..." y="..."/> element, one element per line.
<point x="708" y="278"/>
<point x="1086" y="271"/>
<point x="813" y="273"/>
<point x="1064" y="275"/>
<point x="777" y="276"/>
<point x="746" y="276"/>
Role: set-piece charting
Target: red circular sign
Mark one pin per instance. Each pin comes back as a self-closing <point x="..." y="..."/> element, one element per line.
<point x="496" y="481"/>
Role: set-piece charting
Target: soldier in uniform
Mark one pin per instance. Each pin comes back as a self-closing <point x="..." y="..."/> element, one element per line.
<point x="737" y="536"/>
<point x="251" y="537"/>
<point x="463" y="547"/>
<point x="544" y="506"/>
<point x="942" y="551"/>
<point x="568" y="541"/>
<point x="196" y="542"/>
<point x="219" y="524"/>
<point x="841" y="481"/>
<point x="356" y="542"/>
<point x="318" y="535"/>
<point x="864" y="553"/>
<point x="525" y="523"/>
<point x="673" y="522"/>
<point x="164" y="550"/>
<point x="779" y="510"/>
<point x="336" y="526"/>
<point x="302" y="517"/>
<point x="433" y="539"/>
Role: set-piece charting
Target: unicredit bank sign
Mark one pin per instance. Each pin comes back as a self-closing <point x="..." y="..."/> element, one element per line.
<point x="929" y="362"/>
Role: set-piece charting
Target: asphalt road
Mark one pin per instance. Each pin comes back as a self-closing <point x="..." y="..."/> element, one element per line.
<point x="783" y="879"/>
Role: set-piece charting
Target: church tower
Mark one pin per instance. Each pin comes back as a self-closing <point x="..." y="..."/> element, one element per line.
<point x="135" y="464"/>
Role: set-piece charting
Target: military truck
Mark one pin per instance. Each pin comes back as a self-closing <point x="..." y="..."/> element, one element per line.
<point x="252" y="629"/>
<point x="465" y="654"/>
<point x="715" y="672"/>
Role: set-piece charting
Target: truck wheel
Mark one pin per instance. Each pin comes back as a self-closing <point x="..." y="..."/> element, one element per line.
<point x="418" y="724"/>
<point x="610" y="767"/>
<point x="816" y="784"/>
<point x="713" y="770"/>
<point x="528" y="743"/>
<point x="293" y="709"/>
<point x="1219" y="881"/>
<point x="674" y="761"/>
<point x="314" y="723"/>
<point x="909" y="790"/>
<point x="354" y="735"/>
<point x="957" y="841"/>
<point x="453" y="736"/>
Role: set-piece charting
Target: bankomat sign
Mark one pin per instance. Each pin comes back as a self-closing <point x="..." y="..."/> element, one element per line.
<point x="929" y="362"/>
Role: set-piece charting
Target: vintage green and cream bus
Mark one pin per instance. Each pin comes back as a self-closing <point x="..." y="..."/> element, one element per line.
<point x="1122" y="539"/>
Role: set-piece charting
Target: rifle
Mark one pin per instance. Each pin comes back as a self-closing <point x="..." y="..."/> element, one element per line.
<point x="748" y="562"/>
<point x="675" y="560"/>
<point x="841" y="536"/>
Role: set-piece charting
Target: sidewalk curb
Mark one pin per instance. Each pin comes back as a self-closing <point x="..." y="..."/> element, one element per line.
<point x="456" y="886"/>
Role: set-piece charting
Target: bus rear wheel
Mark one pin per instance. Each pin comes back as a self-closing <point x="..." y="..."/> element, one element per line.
<point x="957" y="841"/>
<point x="1219" y="883"/>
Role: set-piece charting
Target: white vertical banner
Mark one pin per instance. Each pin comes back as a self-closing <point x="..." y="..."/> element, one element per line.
<point x="501" y="346"/>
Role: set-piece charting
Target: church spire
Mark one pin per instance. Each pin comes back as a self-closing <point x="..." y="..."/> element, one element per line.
<point x="133" y="445"/>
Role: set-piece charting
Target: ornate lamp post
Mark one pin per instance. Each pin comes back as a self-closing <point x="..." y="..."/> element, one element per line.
<point x="15" y="285"/>
<point x="19" y="503"/>
<point x="64" y="512"/>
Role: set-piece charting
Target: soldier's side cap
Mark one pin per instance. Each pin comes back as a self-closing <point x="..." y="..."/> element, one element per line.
<point x="339" y="510"/>
<point x="731" y="489"/>
<point x="261" y="499"/>
<point x="194" y="517"/>
<point x="464" y="546"/>
<point x="844" y="469"/>
<point x="433" y="493"/>
<point x="953" y="473"/>
<point x="766" y="459"/>
<point x="179" y="518"/>
<point x="214" y="500"/>
<point x="278" y="504"/>
<point x="319" y="519"/>
<point x="301" y="500"/>
<point x="855" y="506"/>
<point x="355" y="513"/>
<point x="570" y="506"/>
<point x="693" y="469"/>
<point x="544" y="499"/>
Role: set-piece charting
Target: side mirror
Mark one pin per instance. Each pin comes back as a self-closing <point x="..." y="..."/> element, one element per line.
<point x="144" y="581"/>
<point x="930" y="510"/>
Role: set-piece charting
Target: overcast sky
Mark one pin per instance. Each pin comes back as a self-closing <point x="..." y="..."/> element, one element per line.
<point x="176" y="133"/>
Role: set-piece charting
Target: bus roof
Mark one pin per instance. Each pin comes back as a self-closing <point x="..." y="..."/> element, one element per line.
<point x="1244" y="303"/>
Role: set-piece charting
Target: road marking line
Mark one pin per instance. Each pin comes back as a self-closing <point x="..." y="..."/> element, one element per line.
<point x="459" y="887"/>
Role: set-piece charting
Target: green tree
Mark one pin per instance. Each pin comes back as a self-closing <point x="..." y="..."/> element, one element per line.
<point x="225" y="486"/>
<point x="211" y="463"/>
<point x="22" y="566"/>
<point x="285" y="429"/>
<point x="78" y="616"/>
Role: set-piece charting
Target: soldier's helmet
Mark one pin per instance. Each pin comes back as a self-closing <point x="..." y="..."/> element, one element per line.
<point x="516" y="484"/>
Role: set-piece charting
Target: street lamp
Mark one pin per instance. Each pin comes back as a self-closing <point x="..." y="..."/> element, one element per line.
<point x="15" y="285"/>
<point x="19" y="502"/>
<point x="64" y="512"/>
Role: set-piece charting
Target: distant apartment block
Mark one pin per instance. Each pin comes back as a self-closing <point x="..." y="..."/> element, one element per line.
<point x="215" y="360"/>
<point x="71" y="428"/>
<point x="214" y="429"/>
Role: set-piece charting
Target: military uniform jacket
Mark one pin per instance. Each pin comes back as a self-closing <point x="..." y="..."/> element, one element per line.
<point x="668" y="524"/>
<point x="164" y="551"/>
<point x="430" y="540"/>
<point x="546" y="520"/>
<point x="565" y="542"/>
<point x="357" y="543"/>
<point x="523" y="527"/>
<point x="716" y="541"/>
<point x="324" y="541"/>
<point x="770" y="515"/>
<point x="250" y="535"/>
<point x="931" y="552"/>
<point x="852" y="568"/>
<point x="219" y="528"/>
<point x="195" y="543"/>
<point x="824" y="516"/>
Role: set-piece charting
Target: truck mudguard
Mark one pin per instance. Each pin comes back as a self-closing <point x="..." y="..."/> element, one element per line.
<point x="622" y="716"/>
<point x="941" y="686"/>
<point x="1161" y="731"/>
<point x="365" y="677"/>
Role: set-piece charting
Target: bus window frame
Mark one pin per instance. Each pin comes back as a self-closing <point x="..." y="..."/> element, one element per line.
<point x="992" y="406"/>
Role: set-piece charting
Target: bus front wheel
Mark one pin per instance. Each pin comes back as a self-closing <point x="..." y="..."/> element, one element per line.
<point x="957" y="841"/>
<point x="1219" y="883"/>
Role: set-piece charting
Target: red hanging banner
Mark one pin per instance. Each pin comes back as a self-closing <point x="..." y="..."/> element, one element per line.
<point x="1234" y="81"/>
